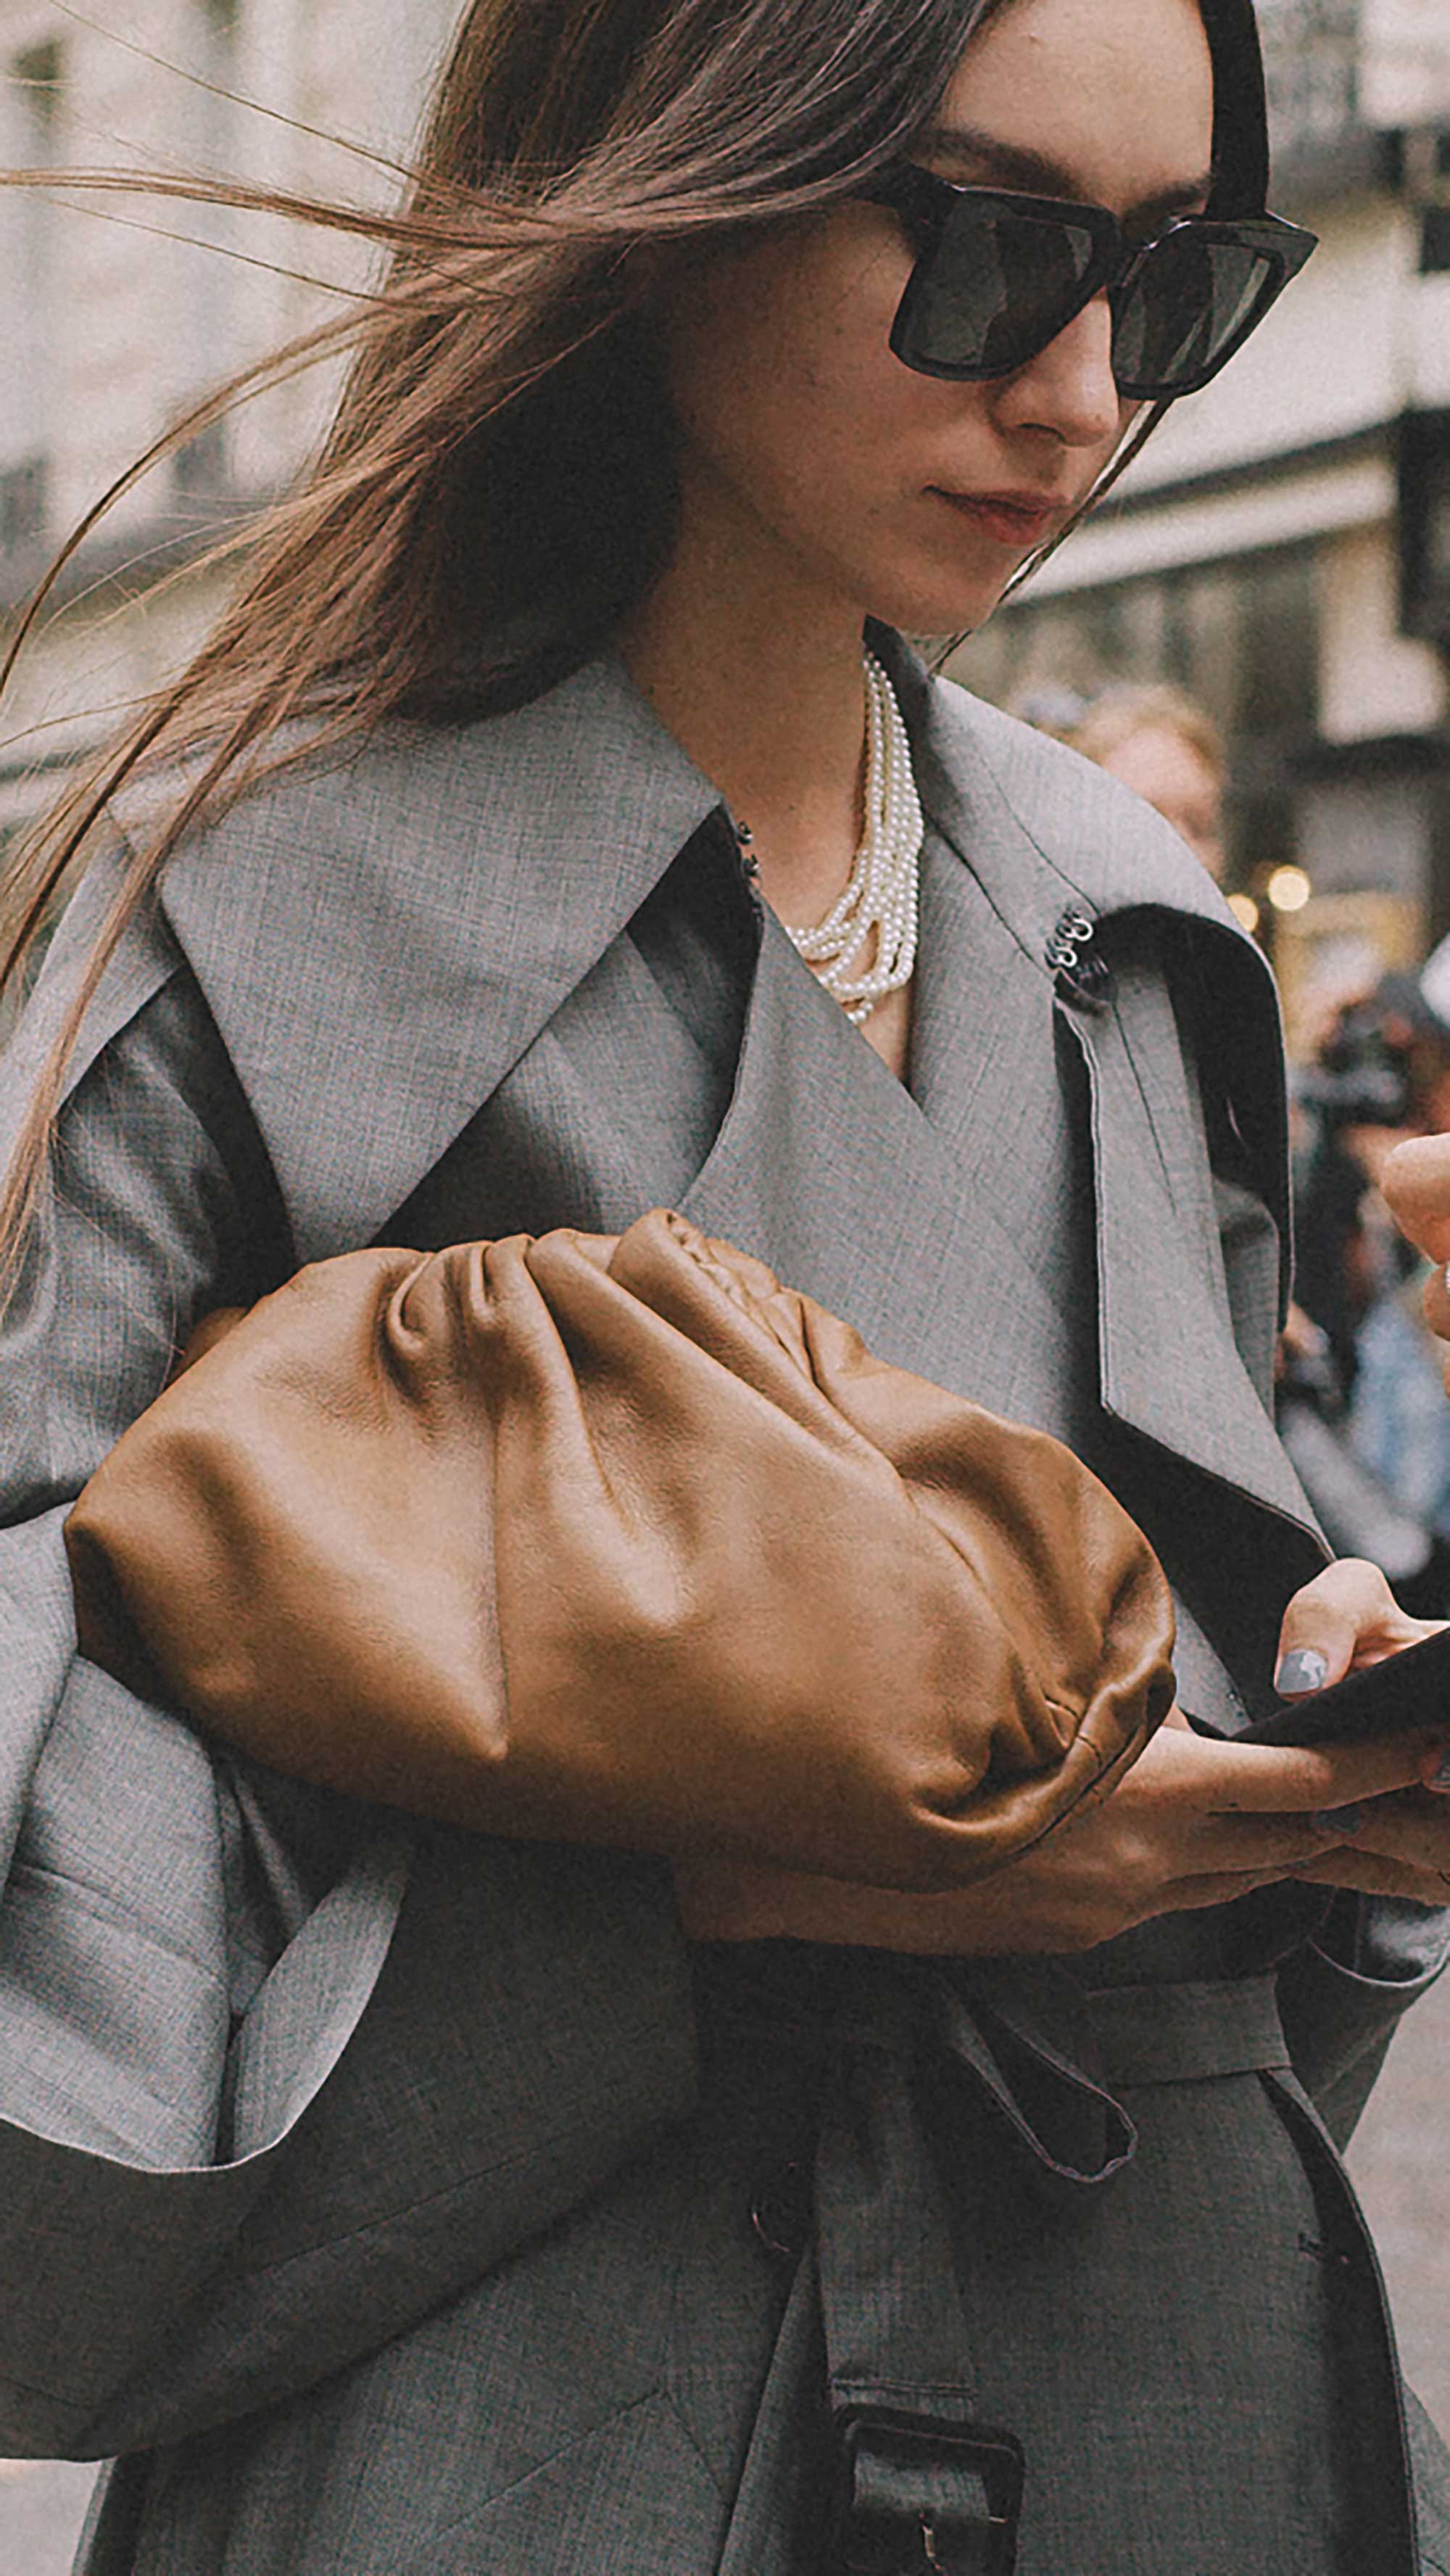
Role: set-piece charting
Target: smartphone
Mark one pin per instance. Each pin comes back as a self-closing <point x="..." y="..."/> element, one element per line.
<point x="1408" y="1690"/>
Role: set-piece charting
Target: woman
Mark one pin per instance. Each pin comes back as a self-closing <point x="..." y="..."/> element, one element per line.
<point x="394" y="2199"/>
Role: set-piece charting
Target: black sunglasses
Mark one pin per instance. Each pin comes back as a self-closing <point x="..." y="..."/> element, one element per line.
<point x="998" y="276"/>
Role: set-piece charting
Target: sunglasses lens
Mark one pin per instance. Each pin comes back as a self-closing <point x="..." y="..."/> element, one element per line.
<point x="998" y="287"/>
<point x="1185" y="311"/>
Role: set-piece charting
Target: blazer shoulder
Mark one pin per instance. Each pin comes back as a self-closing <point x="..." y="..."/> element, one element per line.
<point x="1103" y="838"/>
<point x="431" y="838"/>
<point x="396" y="918"/>
<point x="348" y="816"/>
<point x="1046" y="832"/>
<point x="145" y="960"/>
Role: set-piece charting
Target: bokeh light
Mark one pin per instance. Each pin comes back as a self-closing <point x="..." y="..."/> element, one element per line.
<point x="1289" y="889"/>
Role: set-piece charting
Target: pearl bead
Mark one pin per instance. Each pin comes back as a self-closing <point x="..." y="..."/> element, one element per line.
<point x="878" y="911"/>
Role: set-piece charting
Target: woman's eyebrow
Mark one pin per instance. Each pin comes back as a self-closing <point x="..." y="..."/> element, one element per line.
<point x="1014" y="166"/>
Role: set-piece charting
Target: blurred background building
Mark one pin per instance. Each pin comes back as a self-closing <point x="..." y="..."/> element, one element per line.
<point x="1282" y="550"/>
<point x="116" y="313"/>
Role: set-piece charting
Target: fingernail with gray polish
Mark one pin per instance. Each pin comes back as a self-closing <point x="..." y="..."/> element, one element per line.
<point x="1441" y="1782"/>
<point x="1300" y="1673"/>
<point x="1338" y="1820"/>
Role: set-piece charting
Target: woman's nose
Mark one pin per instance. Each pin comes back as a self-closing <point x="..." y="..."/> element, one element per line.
<point x="1069" y="387"/>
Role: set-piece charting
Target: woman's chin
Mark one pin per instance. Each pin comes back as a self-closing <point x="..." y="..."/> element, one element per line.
<point x="938" y="607"/>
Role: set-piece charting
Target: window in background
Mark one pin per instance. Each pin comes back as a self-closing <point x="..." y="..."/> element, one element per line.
<point x="1439" y="816"/>
<point x="1146" y="629"/>
<point x="1435" y="241"/>
<point x="1261" y="832"/>
<point x="1104" y="628"/>
<point x="30" y="107"/>
<point x="1311" y="56"/>
<point x="1424" y="463"/>
<point x="1278" y="656"/>
<point x="1206" y="622"/>
<point x="208" y="142"/>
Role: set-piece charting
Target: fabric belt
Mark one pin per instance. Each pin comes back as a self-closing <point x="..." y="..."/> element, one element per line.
<point x="1184" y="2034"/>
<point x="925" y="2479"/>
<point x="925" y="2482"/>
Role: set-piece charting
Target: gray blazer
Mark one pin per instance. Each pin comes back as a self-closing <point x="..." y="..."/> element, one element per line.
<point x="387" y="2197"/>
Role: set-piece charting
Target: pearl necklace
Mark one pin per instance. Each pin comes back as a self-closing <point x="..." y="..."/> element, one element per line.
<point x="878" y="912"/>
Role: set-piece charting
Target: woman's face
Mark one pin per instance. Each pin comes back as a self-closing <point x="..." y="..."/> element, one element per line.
<point x="810" y="457"/>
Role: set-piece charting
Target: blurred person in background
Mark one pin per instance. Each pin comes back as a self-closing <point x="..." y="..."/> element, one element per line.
<point x="1398" y="1421"/>
<point x="1415" y="1176"/>
<point x="1352" y="1102"/>
<point x="1168" y="749"/>
<point x="1357" y="1400"/>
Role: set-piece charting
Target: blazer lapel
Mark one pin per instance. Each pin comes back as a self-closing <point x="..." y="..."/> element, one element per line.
<point x="1049" y="837"/>
<point x="380" y="939"/>
<point x="1170" y="1364"/>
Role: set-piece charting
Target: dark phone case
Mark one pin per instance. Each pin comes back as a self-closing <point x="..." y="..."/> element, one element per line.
<point x="1408" y="1690"/>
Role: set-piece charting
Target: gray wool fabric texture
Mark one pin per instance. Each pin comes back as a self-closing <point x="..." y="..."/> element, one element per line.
<point x="384" y="2196"/>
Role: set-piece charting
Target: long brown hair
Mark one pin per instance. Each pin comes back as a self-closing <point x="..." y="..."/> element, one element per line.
<point x="498" y="486"/>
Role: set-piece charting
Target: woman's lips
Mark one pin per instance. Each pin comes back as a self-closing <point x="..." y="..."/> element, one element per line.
<point x="1007" y="520"/>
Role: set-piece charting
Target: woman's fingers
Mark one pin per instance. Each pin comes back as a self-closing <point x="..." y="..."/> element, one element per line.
<point x="1273" y="1842"/>
<point x="1416" y="1183"/>
<point x="1413" y="1829"/>
<point x="1347" y="1616"/>
<point x="1396" y="1846"/>
<point x="1370" y="1874"/>
<point x="1298" y="1780"/>
<point x="1222" y="1887"/>
<point x="1322" y="1626"/>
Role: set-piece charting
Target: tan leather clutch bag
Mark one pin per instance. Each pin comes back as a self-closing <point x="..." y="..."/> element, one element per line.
<point x="621" y="1542"/>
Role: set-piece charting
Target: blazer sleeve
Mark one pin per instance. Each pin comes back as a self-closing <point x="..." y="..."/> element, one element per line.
<point x="278" y="2073"/>
<point x="1343" y="1994"/>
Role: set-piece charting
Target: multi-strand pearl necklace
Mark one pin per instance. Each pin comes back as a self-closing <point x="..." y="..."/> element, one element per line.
<point x="866" y="946"/>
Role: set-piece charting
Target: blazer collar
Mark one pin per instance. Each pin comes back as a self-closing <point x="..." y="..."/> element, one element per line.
<point x="1161" y="1286"/>
<point x="1048" y="838"/>
<point x="1042" y="831"/>
<point x="380" y="937"/>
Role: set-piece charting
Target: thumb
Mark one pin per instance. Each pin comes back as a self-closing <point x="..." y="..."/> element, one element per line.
<point x="1325" y="1624"/>
<point x="1416" y="1182"/>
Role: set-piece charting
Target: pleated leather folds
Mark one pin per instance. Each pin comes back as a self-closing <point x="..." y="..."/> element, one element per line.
<point x="619" y="1541"/>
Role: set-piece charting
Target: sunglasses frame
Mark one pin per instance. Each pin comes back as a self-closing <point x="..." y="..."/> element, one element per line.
<point x="927" y="203"/>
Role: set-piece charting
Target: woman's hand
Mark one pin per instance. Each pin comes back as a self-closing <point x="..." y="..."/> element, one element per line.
<point x="1342" y="1622"/>
<point x="1416" y="1185"/>
<point x="1393" y="1845"/>
<point x="1193" y="1823"/>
